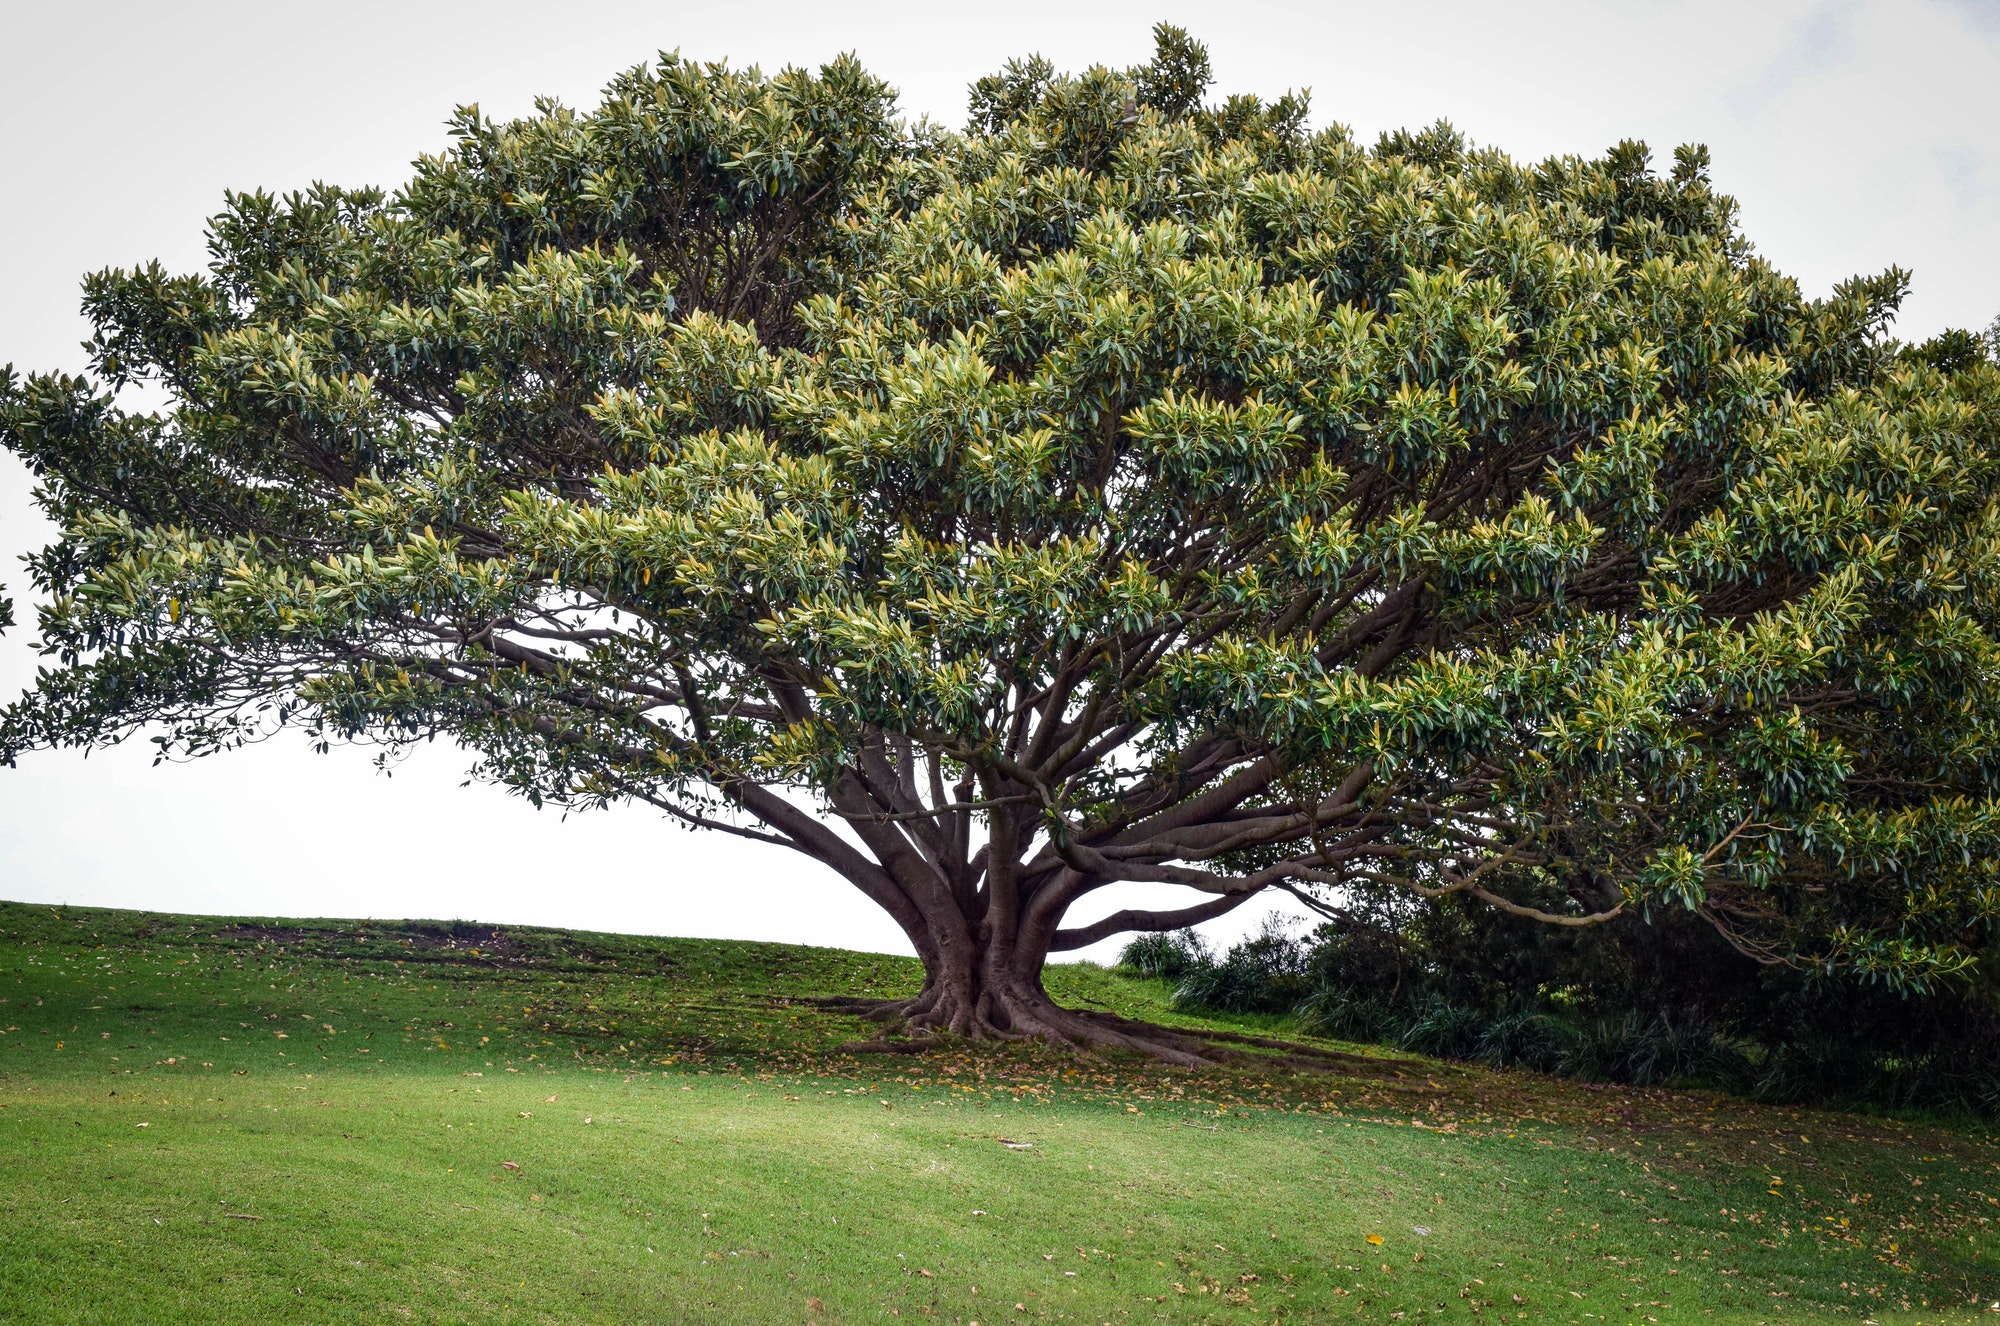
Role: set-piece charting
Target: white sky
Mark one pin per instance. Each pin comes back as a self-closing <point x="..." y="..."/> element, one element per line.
<point x="1856" y="135"/>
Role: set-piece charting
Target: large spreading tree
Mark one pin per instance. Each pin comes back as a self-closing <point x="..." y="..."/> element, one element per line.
<point x="1130" y="487"/>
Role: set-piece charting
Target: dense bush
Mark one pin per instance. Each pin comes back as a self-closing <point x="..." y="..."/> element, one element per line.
<point x="1267" y="974"/>
<point x="1648" y="1002"/>
<point x="1168" y="956"/>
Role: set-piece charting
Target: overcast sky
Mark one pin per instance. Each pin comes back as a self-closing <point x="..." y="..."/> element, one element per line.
<point x="1855" y="135"/>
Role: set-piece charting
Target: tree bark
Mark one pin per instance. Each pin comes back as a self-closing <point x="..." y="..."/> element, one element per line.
<point x="982" y="983"/>
<point x="983" y="925"/>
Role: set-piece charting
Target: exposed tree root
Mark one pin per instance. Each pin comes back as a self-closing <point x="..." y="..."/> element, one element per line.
<point x="875" y="1010"/>
<point x="916" y="1046"/>
<point x="939" y="1020"/>
<point x="1294" y="1055"/>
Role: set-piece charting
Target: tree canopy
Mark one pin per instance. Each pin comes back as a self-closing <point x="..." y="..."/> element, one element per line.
<point x="1129" y="487"/>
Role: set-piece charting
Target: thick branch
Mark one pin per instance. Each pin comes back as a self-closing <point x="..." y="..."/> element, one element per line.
<point x="1119" y="922"/>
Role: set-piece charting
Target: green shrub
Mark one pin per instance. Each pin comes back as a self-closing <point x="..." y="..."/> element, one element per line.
<point x="1166" y="956"/>
<point x="1652" y="1006"/>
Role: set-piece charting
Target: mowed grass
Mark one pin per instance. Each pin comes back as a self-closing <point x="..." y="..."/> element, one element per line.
<point x="204" y="1120"/>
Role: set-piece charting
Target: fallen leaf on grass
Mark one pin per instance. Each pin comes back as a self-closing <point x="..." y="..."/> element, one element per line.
<point x="1012" y="1145"/>
<point x="1374" y="1240"/>
<point x="508" y="1164"/>
<point x="239" y="1215"/>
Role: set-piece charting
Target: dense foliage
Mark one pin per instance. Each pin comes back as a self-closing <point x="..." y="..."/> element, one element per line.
<point x="1127" y="488"/>
<point x="1663" y="1000"/>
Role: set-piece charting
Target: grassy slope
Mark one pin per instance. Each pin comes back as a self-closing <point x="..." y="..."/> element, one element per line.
<point x="692" y="1147"/>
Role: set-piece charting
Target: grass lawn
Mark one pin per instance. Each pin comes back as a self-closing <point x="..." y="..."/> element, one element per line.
<point x="205" y="1120"/>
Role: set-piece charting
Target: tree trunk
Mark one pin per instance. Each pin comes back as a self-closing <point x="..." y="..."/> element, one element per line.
<point x="984" y="986"/>
<point x="983" y="989"/>
<point x="982" y="934"/>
